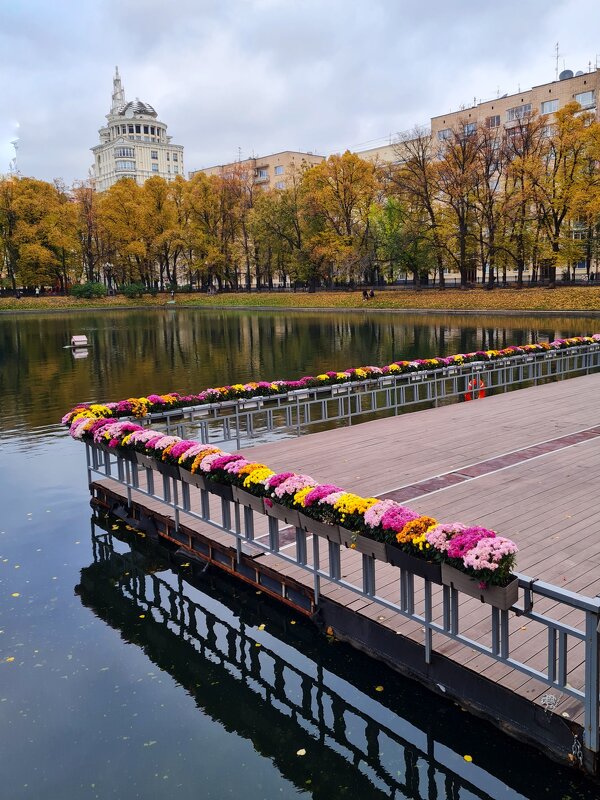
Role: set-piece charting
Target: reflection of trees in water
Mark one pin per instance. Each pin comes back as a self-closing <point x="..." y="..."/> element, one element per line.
<point x="133" y="353"/>
<point x="281" y="697"/>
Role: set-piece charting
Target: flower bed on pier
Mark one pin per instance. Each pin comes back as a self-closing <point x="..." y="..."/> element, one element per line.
<point x="300" y="500"/>
<point x="141" y="406"/>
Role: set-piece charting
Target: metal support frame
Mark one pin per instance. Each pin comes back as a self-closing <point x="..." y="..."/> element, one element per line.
<point x="562" y="639"/>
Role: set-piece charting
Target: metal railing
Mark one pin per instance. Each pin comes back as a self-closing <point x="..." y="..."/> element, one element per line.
<point x="293" y="413"/>
<point x="566" y="626"/>
<point x="310" y="696"/>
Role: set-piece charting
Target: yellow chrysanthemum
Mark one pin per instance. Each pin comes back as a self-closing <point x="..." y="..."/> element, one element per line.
<point x="139" y="405"/>
<point x="350" y="503"/>
<point x="323" y="377"/>
<point x="300" y="496"/>
<point x="259" y="475"/>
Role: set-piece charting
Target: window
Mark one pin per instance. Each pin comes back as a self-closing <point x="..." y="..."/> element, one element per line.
<point x="124" y="152"/>
<point x="153" y="153"/>
<point x="549" y="106"/>
<point x="146" y="129"/>
<point x="262" y="173"/>
<point x="154" y="167"/>
<point x="518" y="112"/>
<point x="167" y="156"/>
<point x="175" y="169"/>
<point x="174" y="156"/>
<point x="138" y="128"/>
<point x="586" y="99"/>
<point x="278" y="170"/>
<point x="280" y="185"/>
<point x="470" y="128"/>
<point x="125" y="166"/>
<point x="130" y="129"/>
<point x="493" y="122"/>
<point x="445" y="134"/>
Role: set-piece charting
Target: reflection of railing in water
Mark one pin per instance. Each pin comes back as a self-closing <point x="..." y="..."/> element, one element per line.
<point x="307" y="694"/>
<point x="293" y="413"/>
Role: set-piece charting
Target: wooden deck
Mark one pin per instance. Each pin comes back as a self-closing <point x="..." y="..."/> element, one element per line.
<point x="525" y="463"/>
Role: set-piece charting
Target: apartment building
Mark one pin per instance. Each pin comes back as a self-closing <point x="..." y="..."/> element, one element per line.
<point x="268" y="172"/>
<point x="133" y="144"/>
<point x="507" y="110"/>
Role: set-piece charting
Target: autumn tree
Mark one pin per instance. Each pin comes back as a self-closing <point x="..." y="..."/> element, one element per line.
<point x="336" y="202"/>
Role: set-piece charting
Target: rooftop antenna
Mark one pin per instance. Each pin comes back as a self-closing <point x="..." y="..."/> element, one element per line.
<point x="239" y="153"/>
<point x="556" y="57"/>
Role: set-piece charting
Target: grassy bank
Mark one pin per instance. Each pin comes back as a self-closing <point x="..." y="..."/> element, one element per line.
<point x="580" y="299"/>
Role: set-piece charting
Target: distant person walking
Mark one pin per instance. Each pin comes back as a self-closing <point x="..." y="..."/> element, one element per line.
<point x="365" y="295"/>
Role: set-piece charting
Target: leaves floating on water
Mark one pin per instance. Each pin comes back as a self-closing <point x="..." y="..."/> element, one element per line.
<point x="468" y="758"/>
<point x="301" y="752"/>
<point x="379" y="688"/>
<point x="261" y="627"/>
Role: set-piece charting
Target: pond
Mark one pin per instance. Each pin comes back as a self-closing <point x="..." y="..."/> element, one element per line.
<point x="122" y="676"/>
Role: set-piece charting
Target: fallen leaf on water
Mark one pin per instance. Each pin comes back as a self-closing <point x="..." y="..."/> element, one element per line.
<point x="142" y="616"/>
<point x="261" y="627"/>
<point x="257" y="644"/>
<point x="301" y="752"/>
<point x="292" y="622"/>
<point x="15" y="594"/>
<point x="9" y="659"/>
<point x="115" y="527"/>
<point x="468" y="758"/>
<point x="150" y="743"/>
<point x="187" y="564"/>
<point x="379" y="688"/>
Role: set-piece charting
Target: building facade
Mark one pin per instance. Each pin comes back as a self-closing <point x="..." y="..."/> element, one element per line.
<point x="134" y="144"/>
<point x="507" y="111"/>
<point x="267" y="172"/>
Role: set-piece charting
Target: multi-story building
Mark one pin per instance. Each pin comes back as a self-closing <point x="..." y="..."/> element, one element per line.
<point x="134" y="143"/>
<point x="507" y="110"/>
<point x="269" y="172"/>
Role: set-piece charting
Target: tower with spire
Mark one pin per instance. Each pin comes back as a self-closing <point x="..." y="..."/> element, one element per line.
<point x="118" y="95"/>
<point x="133" y="144"/>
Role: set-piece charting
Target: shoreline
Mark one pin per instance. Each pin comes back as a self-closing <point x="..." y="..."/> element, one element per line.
<point x="529" y="312"/>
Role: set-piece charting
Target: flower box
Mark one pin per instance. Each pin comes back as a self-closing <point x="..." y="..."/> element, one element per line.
<point x="220" y="489"/>
<point x="319" y="528"/>
<point x="502" y="597"/>
<point x="339" y="389"/>
<point x="127" y="454"/>
<point x="248" y="405"/>
<point x="247" y="499"/>
<point x="386" y="381"/>
<point x="299" y="394"/>
<point x="145" y="461"/>
<point x="193" y="478"/>
<point x="288" y="515"/>
<point x="170" y="470"/>
<point x="415" y="564"/>
<point x="417" y="376"/>
<point x="362" y="544"/>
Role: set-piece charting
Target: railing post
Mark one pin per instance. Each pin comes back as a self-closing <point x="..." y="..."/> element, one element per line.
<point x="592" y="682"/>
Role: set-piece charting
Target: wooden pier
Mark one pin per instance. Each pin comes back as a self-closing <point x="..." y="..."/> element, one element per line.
<point x="525" y="463"/>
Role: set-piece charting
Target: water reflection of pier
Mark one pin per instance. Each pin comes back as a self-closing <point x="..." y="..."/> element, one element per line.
<point x="277" y="696"/>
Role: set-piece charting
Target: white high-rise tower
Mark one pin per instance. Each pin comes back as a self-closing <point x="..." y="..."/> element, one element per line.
<point x="133" y="143"/>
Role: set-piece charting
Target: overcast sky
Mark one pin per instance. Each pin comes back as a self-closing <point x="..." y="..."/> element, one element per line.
<point x="267" y="75"/>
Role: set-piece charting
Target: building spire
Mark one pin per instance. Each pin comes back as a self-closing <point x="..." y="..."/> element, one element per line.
<point x="118" y="95"/>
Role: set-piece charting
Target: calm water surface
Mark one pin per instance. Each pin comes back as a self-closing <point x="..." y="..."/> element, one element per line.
<point x="124" y="677"/>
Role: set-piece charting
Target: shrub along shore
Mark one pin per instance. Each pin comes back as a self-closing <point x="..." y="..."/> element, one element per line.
<point x="576" y="299"/>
